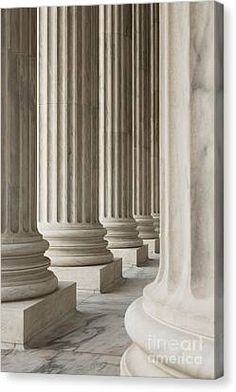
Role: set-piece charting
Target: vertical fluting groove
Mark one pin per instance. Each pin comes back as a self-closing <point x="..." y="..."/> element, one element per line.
<point x="61" y="117"/>
<point x="60" y="127"/>
<point x="42" y="120"/>
<point x="126" y="53"/>
<point x="121" y="102"/>
<point x="79" y="116"/>
<point x="96" y="114"/>
<point x="70" y="122"/>
<point x="90" y="68"/>
<point x="141" y="81"/>
<point x="52" y="116"/>
<point x="112" y="122"/>
<point x="102" y="135"/>
<point x="115" y="116"/>
<point x="154" y="126"/>
<point x="74" y="103"/>
<point x="64" y="130"/>
<point x="22" y="134"/>
<point x="82" y="119"/>
<point x="136" y="122"/>
<point x="83" y="92"/>
<point x="32" y="121"/>
<point x="108" y="86"/>
<point x="5" y="109"/>
<point x="14" y="123"/>
<point x="141" y="127"/>
<point x="25" y="193"/>
<point x="31" y="162"/>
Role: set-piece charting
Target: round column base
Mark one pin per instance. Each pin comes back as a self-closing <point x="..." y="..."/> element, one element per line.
<point x="156" y="223"/>
<point x="122" y="233"/>
<point x="134" y="363"/>
<point x="25" y="273"/>
<point x="76" y="244"/>
<point x="163" y="347"/>
<point x="145" y="227"/>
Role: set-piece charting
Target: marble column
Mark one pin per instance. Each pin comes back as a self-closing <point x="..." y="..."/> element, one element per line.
<point x="68" y="144"/>
<point x="179" y="317"/>
<point x="115" y="125"/>
<point x="142" y="98"/>
<point x="154" y="117"/>
<point x="24" y="267"/>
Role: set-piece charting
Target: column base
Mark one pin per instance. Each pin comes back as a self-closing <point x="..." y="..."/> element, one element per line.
<point x="153" y="247"/>
<point x="132" y="256"/>
<point x="95" y="278"/>
<point x="164" y="349"/>
<point x="23" y="320"/>
<point x="134" y="364"/>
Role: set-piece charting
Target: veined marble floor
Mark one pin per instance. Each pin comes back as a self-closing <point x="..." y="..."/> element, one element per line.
<point x="93" y="340"/>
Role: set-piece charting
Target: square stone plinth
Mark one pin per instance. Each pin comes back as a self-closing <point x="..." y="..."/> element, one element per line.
<point x="153" y="247"/>
<point x="132" y="256"/>
<point x="95" y="278"/>
<point x="21" y="321"/>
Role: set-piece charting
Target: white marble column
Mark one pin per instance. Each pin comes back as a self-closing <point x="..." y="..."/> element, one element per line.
<point x="33" y="299"/>
<point x="179" y="317"/>
<point x="68" y="140"/>
<point x="25" y="271"/>
<point x="154" y="121"/>
<point x="115" y="122"/>
<point x="142" y="133"/>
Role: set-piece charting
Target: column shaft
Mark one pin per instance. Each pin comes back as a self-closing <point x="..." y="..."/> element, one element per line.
<point x="142" y="98"/>
<point x="115" y="106"/>
<point x="180" y="330"/>
<point x="68" y="139"/>
<point x="24" y="267"/>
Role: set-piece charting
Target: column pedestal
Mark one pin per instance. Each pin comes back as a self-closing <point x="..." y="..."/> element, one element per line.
<point x="21" y="321"/>
<point x="95" y="278"/>
<point x="153" y="247"/>
<point x="132" y="256"/>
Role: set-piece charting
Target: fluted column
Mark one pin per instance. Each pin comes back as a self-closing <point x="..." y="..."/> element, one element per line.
<point x="142" y="97"/>
<point x="68" y="136"/>
<point x="24" y="267"/>
<point x="179" y="317"/>
<point x="115" y="117"/>
<point x="154" y="107"/>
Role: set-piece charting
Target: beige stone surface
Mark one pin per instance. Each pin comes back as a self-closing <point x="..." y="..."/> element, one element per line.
<point x="153" y="247"/>
<point x="21" y="321"/>
<point x="132" y="256"/>
<point x="180" y="315"/>
<point x="95" y="278"/>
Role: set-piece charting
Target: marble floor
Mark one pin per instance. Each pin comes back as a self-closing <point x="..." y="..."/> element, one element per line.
<point x="93" y="339"/>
